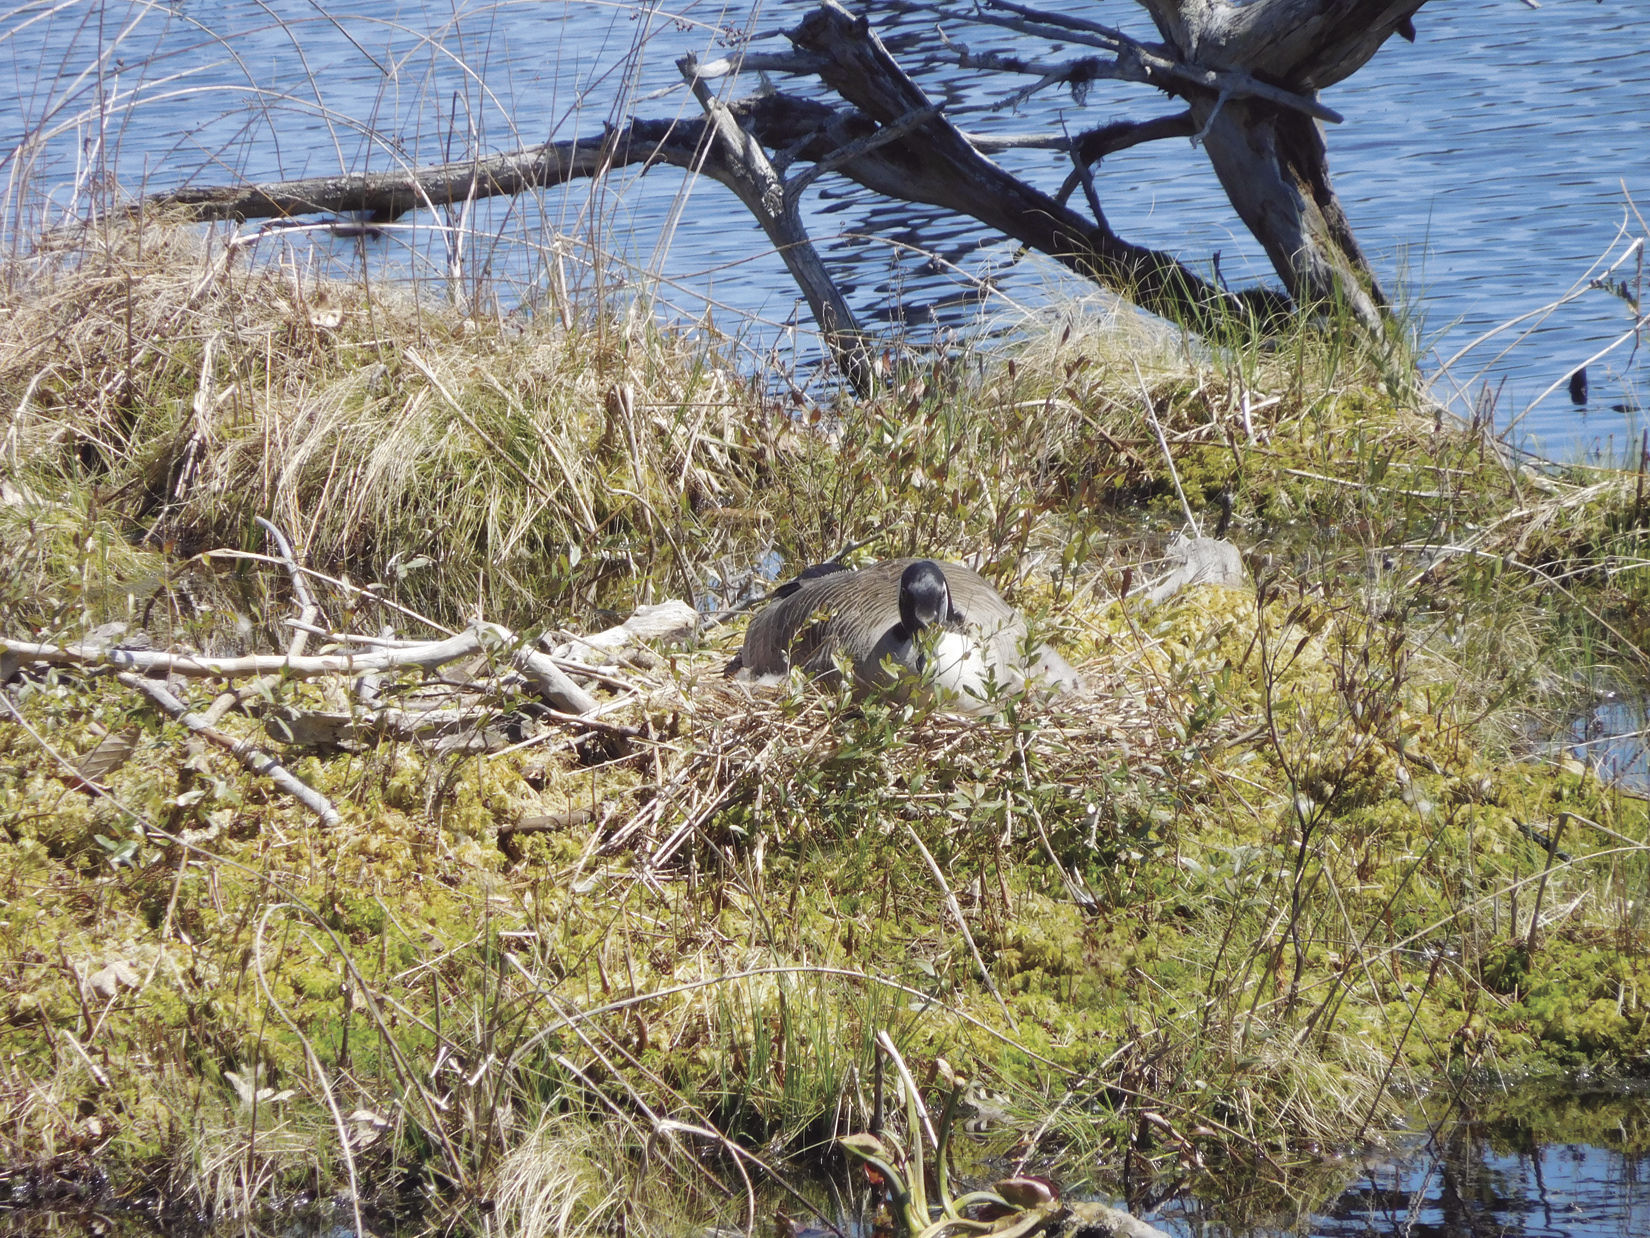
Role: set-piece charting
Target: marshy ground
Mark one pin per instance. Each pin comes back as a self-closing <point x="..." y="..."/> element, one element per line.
<point x="1296" y="858"/>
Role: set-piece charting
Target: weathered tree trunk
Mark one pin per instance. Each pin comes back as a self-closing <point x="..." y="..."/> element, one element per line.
<point x="1275" y="171"/>
<point x="939" y="166"/>
<point x="1271" y="160"/>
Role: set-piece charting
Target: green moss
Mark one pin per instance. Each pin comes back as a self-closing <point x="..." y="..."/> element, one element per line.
<point x="1283" y="848"/>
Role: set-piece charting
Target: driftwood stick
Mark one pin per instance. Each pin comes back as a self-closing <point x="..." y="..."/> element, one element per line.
<point x="1073" y="73"/>
<point x="1077" y="29"/>
<point x="996" y="143"/>
<point x="539" y="670"/>
<point x="758" y="62"/>
<point x="734" y="157"/>
<point x="551" y="683"/>
<point x="596" y="674"/>
<point x="300" y="584"/>
<point x="387" y="641"/>
<point x="366" y="685"/>
<point x="228" y="699"/>
<point x="308" y="612"/>
<point x="197" y="666"/>
<point x="248" y="754"/>
<point x="368" y="592"/>
<point x="1095" y="144"/>
<point x="386" y="196"/>
<point x="1251" y="74"/>
<point x="672" y="621"/>
<point x="1085" y="174"/>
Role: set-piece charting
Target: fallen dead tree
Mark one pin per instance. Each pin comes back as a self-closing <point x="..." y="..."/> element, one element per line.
<point x="1248" y="77"/>
<point x="537" y="668"/>
<point x="495" y="689"/>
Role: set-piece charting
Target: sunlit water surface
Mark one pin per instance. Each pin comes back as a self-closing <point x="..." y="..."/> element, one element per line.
<point x="1614" y="738"/>
<point x="1488" y="167"/>
<point x="1471" y="1191"/>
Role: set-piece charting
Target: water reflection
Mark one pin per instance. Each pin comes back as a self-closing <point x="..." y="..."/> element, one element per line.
<point x="1479" y="1181"/>
<point x="1614" y="738"/>
<point x="1467" y="1188"/>
<point x="1484" y="166"/>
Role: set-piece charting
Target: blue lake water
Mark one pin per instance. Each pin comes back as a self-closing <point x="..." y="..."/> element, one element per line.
<point x="1557" y="1191"/>
<point x="1466" y="1189"/>
<point x="1488" y="168"/>
<point x="1614" y="738"/>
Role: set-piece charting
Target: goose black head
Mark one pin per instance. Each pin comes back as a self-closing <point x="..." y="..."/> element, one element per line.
<point x="924" y="597"/>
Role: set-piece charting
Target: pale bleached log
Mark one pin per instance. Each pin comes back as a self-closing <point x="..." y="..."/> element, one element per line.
<point x="671" y="622"/>
<point x="552" y="683"/>
<point x="201" y="666"/>
<point x="545" y="677"/>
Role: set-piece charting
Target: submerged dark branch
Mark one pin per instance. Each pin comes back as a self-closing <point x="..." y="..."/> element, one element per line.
<point x="1152" y="64"/>
<point x="891" y="138"/>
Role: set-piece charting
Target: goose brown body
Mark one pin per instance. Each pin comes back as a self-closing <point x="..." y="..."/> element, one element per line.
<point x="857" y="614"/>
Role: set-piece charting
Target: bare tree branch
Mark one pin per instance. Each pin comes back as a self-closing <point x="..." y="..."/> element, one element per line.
<point x="1142" y="62"/>
<point x="1248" y="72"/>
<point x="758" y="62"/>
<point x="734" y="157"/>
<point x="538" y="668"/>
<point x="939" y="166"/>
<point x="1095" y="144"/>
<point x="254" y="758"/>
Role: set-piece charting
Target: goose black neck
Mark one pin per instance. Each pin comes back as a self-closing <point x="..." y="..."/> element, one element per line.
<point x="924" y="597"/>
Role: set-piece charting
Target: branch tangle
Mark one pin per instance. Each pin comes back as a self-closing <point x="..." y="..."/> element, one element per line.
<point x="1248" y="73"/>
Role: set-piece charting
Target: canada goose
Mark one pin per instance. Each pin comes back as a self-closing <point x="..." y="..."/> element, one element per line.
<point x="879" y="618"/>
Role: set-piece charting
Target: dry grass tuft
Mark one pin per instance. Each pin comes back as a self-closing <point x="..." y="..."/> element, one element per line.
<point x="186" y="388"/>
<point x="560" y="1179"/>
